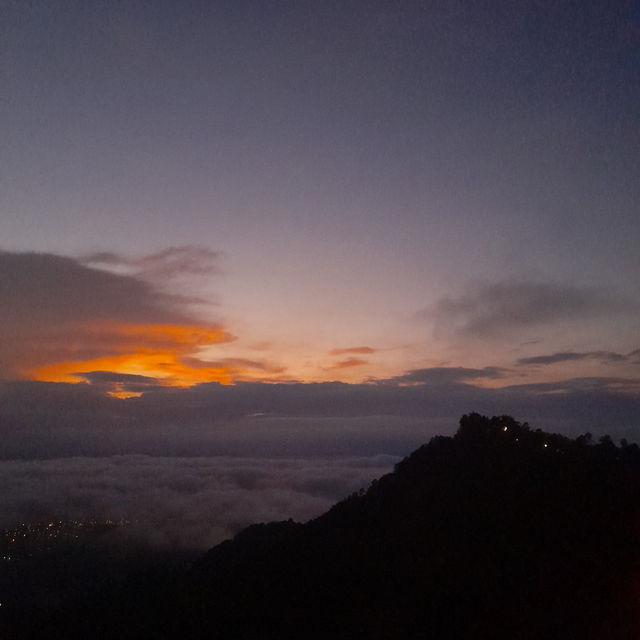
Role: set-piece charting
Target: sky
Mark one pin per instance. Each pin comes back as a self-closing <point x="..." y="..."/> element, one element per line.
<point x="321" y="230"/>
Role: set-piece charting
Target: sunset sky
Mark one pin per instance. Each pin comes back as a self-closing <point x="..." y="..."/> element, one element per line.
<point x="435" y="203"/>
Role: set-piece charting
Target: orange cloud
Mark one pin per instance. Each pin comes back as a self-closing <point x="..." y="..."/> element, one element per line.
<point x="164" y="334"/>
<point x="163" y="365"/>
<point x="59" y="310"/>
<point x="116" y="328"/>
<point x="160" y="351"/>
<point x="119" y="391"/>
<point x="349" y="362"/>
<point x="355" y="350"/>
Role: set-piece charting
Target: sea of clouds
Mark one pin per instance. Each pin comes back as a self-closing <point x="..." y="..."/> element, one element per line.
<point x="190" y="502"/>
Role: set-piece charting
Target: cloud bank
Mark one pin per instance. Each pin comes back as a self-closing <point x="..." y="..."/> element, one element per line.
<point x="191" y="502"/>
<point x="53" y="420"/>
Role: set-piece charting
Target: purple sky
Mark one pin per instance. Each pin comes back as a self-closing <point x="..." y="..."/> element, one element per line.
<point x="434" y="196"/>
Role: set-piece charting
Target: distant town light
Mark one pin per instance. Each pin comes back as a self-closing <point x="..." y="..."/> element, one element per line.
<point x="545" y="445"/>
<point x="504" y="428"/>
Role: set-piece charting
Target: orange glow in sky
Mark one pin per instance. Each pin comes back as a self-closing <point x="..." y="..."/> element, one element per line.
<point x="162" y="364"/>
<point x="119" y="392"/>
<point x="154" y="335"/>
<point x="177" y="334"/>
<point x="155" y="351"/>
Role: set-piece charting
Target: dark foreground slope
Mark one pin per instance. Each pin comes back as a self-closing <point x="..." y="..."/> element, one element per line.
<point x="498" y="532"/>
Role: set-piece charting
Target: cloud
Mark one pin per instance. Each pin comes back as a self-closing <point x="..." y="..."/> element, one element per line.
<point x="449" y="375"/>
<point x="493" y="310"/>
<point x="193" y="502"/>
<point x="168" y="263"/>
<point x="241" y="366"/>
<point x="62" y="320"/>
<point x="51" y="420"/>
<point x="42" y="289"/>
<point x="101" y="377"/>
<point x="590" y="383"/>
<point x="572" y="356"/>
<point x="349" y="362"/>
<point x="354" y="350"/>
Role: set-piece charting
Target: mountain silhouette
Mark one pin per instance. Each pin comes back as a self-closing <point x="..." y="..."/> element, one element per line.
<point x="497" y="532"/>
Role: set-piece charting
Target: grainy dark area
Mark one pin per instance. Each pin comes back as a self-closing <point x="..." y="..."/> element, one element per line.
<point x="498" y="532"/>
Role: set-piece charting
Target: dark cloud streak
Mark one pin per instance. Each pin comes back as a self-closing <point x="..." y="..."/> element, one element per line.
<point x="493" y="310"/>
<point x="572" y="356"/>
<point x="349" y="362"/>
<point x="447" y="375"/>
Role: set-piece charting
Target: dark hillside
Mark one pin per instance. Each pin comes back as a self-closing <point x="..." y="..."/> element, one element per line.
<point x="499" y="532"/>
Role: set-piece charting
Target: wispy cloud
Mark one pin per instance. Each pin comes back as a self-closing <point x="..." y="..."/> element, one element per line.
<point x="349" y="362"/>
<point x="596" y="384"/>
<point x="573" y="356"/>
<point x="168" y="263"/>
<point x="353" y="350"/>
<point x="493" y="310"/>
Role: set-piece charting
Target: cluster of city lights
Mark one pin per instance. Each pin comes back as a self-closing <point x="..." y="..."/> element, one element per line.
<point x="39" y="536"/>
